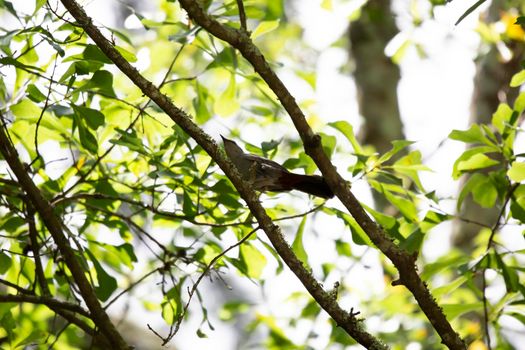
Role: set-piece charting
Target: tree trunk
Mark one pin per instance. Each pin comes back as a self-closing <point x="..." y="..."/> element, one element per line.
<point x="376" y="79"/>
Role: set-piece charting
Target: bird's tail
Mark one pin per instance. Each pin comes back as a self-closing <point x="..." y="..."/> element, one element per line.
<point x="311" y="184"/>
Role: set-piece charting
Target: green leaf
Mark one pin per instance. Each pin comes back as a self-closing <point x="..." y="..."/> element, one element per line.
<point x="384" y="220"/>
<point x="397" y="146"/>
<point x="358" y="235"/>
<point x="454" y="310"/>
<point x="518" y="79"/>
<point x="130" y="140"/>
<point x="519" y="103"/>
<point x="101" y="81"/>
<point x="472" y="159"/>
<point x="170" y="310"/>
<point x="510" y="276"/>
<point x="265" y="27"/>
<point x="9" y="6"/>
<point x="469" y="11"/>
<point x="398" y="55"/>
<point x="413" y="242"/>
<point x="270" y="248"/>
<point x="187" y="205"/>
<point x="201" y="334"/>
<point x="253" y="260"/>
<point x="120" y="35"/>
<point x="106" y="283"/>
<point x="517" y="210"/>
<point x="348" y="131"/>
<point x="297" y="245"/>
<point x="274" y="9"/>
<point x="5" y="262"/>
<point x="517" y="204"/>
<point x="26" y="109"/>
<point x="93" y="53"/>
<point x="10" y="61"/>
<point x="432" y="219"/>
<point x="200" y="104"/>
<point x="483" y="191"/>
<point x="343" y="248"/>
<point x="502" y="116"/>
<point x="128" y="56"/>
<point x="473" y="135"/>
<point x="227" y="103"/>
<point x="445" y="263"/>
<point x="410" y="165"/>
<point x="517" y="172"/>
<point x="277" y="335"/>
<point x="450" y="286"/>
<point x="329" y="142"/>
<point x="87" y="139"/>
<point x="406" y="207"/>
<point x="93" y="118"/>
<point x="34" y="93"/>
<point x="225" y="58"/>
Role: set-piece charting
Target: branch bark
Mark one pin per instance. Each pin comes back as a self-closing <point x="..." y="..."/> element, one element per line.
<point x="344" y="319"/>
<point x="404" y="262"/>
<point x="54" y="225"/>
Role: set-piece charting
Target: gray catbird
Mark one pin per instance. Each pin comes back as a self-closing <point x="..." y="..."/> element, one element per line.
<point x="267" y="175"/>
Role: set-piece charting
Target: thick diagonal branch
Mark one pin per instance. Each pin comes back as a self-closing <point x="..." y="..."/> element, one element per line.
<point x="405" y="263"/>
<point x="344" y="319"/>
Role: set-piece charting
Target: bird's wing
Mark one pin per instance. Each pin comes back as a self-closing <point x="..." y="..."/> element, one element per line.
<point x="266" y="164"/>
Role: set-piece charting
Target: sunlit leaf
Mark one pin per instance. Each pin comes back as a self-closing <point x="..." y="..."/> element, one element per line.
<point x="227" y="103"/>
<point x="348" y="131"/>
<point x="517" y="172"/>
<point x="265" y="27"/>
<point x="518" y="79"/>
<point x="107" y="284"/>
<point x="253" y="260"/>
<point x="501" y="116"/>
<point x="297" y="244"/>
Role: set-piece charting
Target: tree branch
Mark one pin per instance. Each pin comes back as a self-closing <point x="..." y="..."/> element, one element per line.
<point x="50" y="302"/>
<point x="54" y="225"/>
<point x="64" y="309"/>
<point x="344" y="319"/>
<point x="404" y="262"/>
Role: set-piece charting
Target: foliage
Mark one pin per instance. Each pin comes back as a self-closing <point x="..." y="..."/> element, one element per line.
<point x="145" y="208"/>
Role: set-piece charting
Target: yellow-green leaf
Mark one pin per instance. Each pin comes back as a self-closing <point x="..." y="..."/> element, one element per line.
<point x="227" y="104"/>
<point x="253" y="259"/>
<point x="264" y="27"/>
<point x="518" y="79"/>
<point x="501" y="116"/>
<point x="297" y="245"/>
<point x="519" y="103"/>
<point x="517" y="172"/>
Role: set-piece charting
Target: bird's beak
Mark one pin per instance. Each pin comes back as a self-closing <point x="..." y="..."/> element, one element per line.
<point x="225" y="139"/>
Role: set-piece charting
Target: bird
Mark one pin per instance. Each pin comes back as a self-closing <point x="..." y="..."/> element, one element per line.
<point x="266" y="175"/>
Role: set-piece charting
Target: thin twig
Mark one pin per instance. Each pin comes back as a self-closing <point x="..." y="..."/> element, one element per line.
<point x="46" y="106"/>
<point x="490" y="242"/>
<point x="35" y="247"/>
<point x="242" y="15"/>
<point x="155" y="210"/>
<point x="175" y="328"/>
